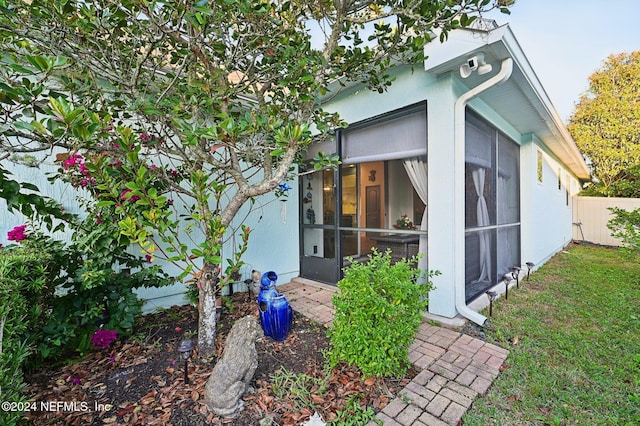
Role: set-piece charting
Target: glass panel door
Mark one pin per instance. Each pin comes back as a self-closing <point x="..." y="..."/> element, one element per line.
<point x="319" y="245"/>
<point x="349" y="217"/>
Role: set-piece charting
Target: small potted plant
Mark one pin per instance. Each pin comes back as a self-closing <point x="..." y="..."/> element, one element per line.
<point x="404" y="223"/>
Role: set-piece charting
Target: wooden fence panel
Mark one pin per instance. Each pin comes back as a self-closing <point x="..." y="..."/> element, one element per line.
<point x="591" y="215"/>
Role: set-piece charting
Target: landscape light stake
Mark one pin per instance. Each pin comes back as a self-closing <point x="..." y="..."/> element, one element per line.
<point x="530" y="266"/>
<point x="185" y="349"/>
<point x="492" y="296"/>
<point x="515" y="273"/>
<point x="507" y="279"/>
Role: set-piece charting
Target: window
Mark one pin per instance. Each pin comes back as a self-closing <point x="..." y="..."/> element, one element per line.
<point x="567" y="182"/>
<point x="382" y="179"/>
<point x="492" y="206"/>
<point x="559" y="179"/>
<point x="539" y="168"/>
<point x="389" y="155"/>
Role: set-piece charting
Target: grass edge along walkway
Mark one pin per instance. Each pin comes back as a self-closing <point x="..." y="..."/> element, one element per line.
<point x="573" y="332"/>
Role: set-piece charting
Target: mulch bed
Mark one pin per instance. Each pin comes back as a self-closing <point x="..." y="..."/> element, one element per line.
<point x="140" y="381"/>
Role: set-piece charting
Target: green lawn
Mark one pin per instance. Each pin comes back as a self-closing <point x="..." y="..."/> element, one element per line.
<point x="573" y="332"/>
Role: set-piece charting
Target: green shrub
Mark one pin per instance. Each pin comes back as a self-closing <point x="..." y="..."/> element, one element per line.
<point x="23" y="282"/>
<point x="626" y="226"/>
<point x="378" y="309"/>
<point x="100" y="290"/>
<point x="29" y="275"/>
<point x="73" y="289"/>
<point x="13" y="353"/>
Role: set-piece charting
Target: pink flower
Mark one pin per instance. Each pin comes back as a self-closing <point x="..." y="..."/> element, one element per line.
<point x="103" y="338"/>
<point x="84" y="182"/>
<point x="83" y="169"/>
<point x="149" y="139"/>
<point x="148" y="257"/>
<point x="17" y="233"/>
<point x="125" y="196"/>
<point x="75" y="380"/>
<point x="73" y="160"/>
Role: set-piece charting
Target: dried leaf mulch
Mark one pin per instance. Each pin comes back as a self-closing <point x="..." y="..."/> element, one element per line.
<point x="140" y="380"/>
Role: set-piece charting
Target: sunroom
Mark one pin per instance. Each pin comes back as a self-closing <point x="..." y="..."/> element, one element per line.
<point x="376" y="198"/>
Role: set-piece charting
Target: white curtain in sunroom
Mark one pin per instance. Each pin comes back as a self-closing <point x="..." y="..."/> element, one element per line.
<point x="416" y="168"/>
<point x="482" y="211"/>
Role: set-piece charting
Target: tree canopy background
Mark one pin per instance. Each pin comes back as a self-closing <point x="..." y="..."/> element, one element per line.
<point x="606" y="126"/>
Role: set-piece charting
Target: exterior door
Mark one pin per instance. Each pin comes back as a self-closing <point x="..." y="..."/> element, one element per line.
<point x="319" y="244"/>
<point x="372" y="206"/>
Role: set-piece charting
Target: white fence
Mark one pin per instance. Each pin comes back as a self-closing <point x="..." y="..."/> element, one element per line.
<point x="591" y="215"/>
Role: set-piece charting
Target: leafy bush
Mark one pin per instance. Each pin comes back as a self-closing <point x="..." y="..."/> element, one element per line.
<point x="13" y="353"/>
<point x="74" y="289"/>
<point x="625" y="185"/>
<point x="23" y="301"/>
<point x="378" y="309"/>
<point x="96" y="294"/>
<point x="626" y="226"/>
<point x="32" y="272"/>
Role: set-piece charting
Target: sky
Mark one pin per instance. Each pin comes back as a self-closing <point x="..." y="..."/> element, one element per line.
<point x="567" y="40"/>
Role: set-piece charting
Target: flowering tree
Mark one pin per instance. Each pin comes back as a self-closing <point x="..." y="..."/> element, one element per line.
<point x="204" y="104"/>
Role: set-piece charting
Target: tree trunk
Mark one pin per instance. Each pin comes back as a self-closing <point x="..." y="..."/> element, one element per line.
<point x="207" y="312"/>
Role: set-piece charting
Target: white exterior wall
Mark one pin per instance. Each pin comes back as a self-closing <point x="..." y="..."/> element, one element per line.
<point x="59" y="191"/>
<point x="442" y="198"/>
<point x="546" y="218"/>
<point x="273" y="244"/>
<point x="360" y="104"/>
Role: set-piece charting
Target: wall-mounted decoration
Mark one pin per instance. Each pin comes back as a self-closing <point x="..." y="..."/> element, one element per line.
<point x="311" y="215"/>
<point x="307" y="199"/>
<point x="372" y="176"/>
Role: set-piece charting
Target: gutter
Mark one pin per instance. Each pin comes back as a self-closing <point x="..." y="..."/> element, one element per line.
<point x="459" y="149"/>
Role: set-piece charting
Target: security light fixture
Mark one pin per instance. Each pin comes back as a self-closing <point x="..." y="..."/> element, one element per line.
<point x="475" y="63"/>
<point x="185" y="349"/>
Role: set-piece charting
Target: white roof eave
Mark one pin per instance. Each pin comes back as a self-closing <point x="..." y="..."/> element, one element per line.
<point x="526" y="93"/>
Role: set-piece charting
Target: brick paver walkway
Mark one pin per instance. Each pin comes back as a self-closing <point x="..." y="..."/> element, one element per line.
<point x="454" y="368"/>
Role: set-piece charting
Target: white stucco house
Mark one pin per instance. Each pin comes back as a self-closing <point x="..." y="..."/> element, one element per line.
<point x="470" y="149"/>
<point x="467" y="147"/>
